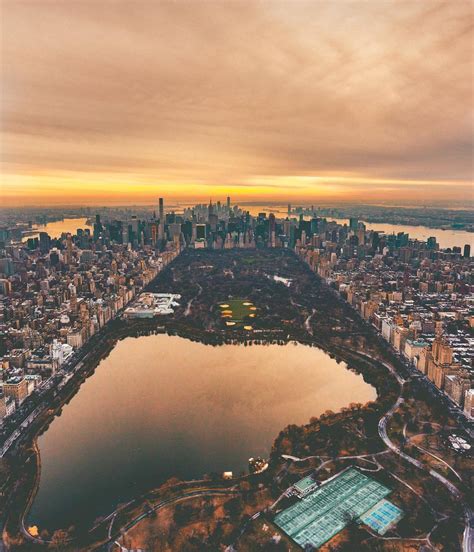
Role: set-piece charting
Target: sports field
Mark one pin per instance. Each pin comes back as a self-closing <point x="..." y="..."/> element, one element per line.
<point x="328" y="509"/>
<point x="237" y="312"/>
<point x="382" y="516"/>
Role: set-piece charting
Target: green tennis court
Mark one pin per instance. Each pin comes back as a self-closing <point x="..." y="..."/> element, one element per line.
<point x="328" y="509"/>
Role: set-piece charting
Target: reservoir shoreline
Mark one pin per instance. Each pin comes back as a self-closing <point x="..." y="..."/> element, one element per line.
<point x="373" y="372"/>
<point x="137" y="329"/>
<point x="169" y="407"/>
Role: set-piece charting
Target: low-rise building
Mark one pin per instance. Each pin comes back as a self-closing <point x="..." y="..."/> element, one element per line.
<point x="469" y="403"/>
<point x="17" y="388"/>
<point x="7" y="407"/>
<point x="75" y="339"/>
<point x="456" y="385"/>
<point x="413" y="348"/>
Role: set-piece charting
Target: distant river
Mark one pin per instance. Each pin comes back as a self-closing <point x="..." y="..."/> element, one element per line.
<point x="56" y="228"/>
<point x="161" y="406"/>
<point x="445" y="238"/>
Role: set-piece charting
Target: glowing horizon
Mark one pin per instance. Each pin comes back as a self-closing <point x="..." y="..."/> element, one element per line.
<point x="126" y="101"/>
<point x="43" y="191"/>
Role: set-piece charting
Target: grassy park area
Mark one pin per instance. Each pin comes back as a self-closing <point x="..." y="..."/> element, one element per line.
<point x="238" y="312"/>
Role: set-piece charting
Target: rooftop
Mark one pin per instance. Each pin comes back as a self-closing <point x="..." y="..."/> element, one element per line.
<point x="14" y="380"/>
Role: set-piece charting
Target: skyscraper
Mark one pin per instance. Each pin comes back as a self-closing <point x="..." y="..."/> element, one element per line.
<point x="200" y="231"/>
<point x="44" y="242"/>
<point x="69" y="249"/>
<point x="228" y="204"/>
<point x="271" y="222"/>
<point x="161" y="210"/>
<point x="271" y="230"/>
<point x="97" y="227"/>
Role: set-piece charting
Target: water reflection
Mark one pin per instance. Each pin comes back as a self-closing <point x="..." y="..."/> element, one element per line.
<point x="58" y="227"/>
<point x="161" y="406"/>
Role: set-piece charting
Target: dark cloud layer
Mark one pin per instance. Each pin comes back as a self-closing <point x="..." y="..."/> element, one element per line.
<point x="241" y="93"/>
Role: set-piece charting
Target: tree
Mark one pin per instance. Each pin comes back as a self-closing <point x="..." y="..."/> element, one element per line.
<point x="59" y="540"/>
<point x="182" y="514"/>
<point x="244" y="487"/>
<point x="233" y="506"/>
<point x="427" y="428"/>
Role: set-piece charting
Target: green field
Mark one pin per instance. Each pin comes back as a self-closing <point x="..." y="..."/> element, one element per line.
<point x="238" y="312"/>
<point x="324" y="512"/>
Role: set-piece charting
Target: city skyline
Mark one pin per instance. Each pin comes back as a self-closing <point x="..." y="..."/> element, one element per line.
<point x="202" y="334"/>
<point x="236" y="275"/>
<point x="113" y="102"/>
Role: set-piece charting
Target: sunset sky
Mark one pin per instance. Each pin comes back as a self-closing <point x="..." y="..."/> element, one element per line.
<point x="106" y="101"/>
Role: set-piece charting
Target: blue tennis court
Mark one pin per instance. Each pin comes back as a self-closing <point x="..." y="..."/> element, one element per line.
<point x="382" y="516"/>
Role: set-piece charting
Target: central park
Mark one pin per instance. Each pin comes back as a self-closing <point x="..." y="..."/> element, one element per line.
<point x="284" y="349"/>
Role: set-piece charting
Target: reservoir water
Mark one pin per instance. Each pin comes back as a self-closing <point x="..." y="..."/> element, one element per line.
<point x="161" y="406"/>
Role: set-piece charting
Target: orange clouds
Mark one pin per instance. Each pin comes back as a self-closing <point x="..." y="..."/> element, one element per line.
<point x="117" y="100"/>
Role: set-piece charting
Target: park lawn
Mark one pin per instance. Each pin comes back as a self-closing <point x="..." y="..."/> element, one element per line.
<point x="237" y="311"/>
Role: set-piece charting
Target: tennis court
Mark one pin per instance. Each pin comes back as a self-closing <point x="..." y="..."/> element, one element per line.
<point x="382" y="516"/>
<point x="328" y="509"/>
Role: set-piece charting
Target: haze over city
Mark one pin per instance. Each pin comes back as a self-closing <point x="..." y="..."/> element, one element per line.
<point x="236" y="276"/>
<point x="319" y="101"/>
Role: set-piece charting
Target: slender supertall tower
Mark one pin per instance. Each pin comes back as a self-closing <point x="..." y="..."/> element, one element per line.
<point x="161" y="226"/>
<point x="228" y="204"/>
<point x="271" y="230"/>
<point x="161" y="210"/>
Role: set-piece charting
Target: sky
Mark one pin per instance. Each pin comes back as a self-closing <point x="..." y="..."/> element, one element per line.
<point x="124" y="101"/>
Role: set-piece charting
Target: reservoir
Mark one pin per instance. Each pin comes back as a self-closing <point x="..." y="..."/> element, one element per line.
<point x="161" y="406"/>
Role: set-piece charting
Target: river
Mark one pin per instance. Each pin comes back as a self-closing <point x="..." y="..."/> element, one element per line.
<point x="58" y="227"/>
<point x="445" y="238"/>
<point x="161" y="406"/>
